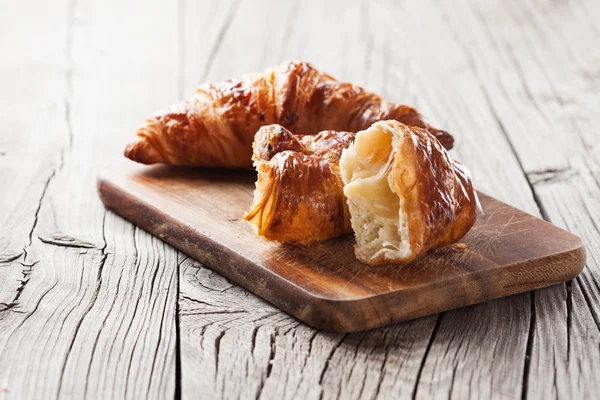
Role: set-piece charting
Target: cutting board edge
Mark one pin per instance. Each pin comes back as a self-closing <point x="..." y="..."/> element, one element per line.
<point x="109" y="194"/>
<point x="340" y="314"/>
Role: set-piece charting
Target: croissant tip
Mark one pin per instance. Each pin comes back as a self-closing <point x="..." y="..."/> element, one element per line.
<point x="129" y="151"/>
<point x="142" y="152"/>
<point x="445" y="138"/>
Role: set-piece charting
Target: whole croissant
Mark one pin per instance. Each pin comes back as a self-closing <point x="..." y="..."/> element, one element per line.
<point x="405" y="194"/>
<point x="299" y="192"/>
<point x="216" y="127"/>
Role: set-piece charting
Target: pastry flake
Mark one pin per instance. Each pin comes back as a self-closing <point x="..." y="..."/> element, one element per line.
<point x="299" y="191"/>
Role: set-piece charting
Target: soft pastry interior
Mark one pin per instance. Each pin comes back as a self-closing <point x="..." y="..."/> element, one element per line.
<point x="405" y="194"/>
<point x="378" y="219"/>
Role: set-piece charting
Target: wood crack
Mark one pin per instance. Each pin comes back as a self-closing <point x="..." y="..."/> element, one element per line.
<point x="253" y="339"/>
<point x="271" y="354"/>
<point x="217" y="350"/>
<point x="303" y="368"/>
<point x="37" y="211"/>
<point x="452" y="380"/>
<point x="136" y="266"/>
<point x="327" y="361"/>
<point x="89" y="307"/>
<point x="268" y="315"/>
<point x="178" y="375"/>
<point x="436" y="327"/>
<point x="66" y="241"/>
<point x="569" y="304"/>
<point x="7" y="306"/>
<point x="551" y="175"/>
<point x="183" y="296"/>
<point x="210" y="289"/>
<point x="272" y="338"/>
<point x="310" y="345"/>
<point x="528" y="348"/>
<point x="222" y="312"/>
<point x="160" y="333"/>
<point x="137" y="339"/>
<point x="26" y="272"/>
<point x="588" y="301"/>
<point x="9" y="258"/>
<point x="35" y="308"/>
<point x="117" y="289"/>
<point x="136" y="306"/>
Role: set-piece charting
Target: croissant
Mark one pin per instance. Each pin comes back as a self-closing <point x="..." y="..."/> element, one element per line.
<point x="405" y="194"/>
<point x="299" y="191"/>
<point x="216" y="127"/>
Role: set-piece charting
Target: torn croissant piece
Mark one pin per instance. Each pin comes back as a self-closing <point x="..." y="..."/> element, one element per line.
<point x="405" y="194"/>
<point x="299" y="192"/>
<point x="216" y="127"/>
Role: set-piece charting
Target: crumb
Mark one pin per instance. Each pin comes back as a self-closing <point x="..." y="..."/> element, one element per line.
<point x="4" y="389"/>
<point x="460" y="246"/>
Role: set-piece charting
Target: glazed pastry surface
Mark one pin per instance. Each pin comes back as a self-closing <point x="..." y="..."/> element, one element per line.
<point x="216" y="127"/>
<point x="299" y="191"/>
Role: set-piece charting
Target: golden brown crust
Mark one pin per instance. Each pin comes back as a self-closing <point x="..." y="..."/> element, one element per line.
<point x="216" y="126"/>
<point x="436" y="195"/>
<point x="441" y="203"/>
<point x="299" y="196"/>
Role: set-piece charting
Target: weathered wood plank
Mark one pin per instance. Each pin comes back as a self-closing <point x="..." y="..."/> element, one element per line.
<point x="520" y="78"/>
<point x="33" y="131"/>
<point x="95" y="315"/>
<point x="381" y="48"/>
<point x="500" y="76"/>
<point x="32" y="110"/>
<point x="569" y="196"/>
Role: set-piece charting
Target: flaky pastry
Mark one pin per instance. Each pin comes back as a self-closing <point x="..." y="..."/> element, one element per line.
<point x="216" y="127"/>
<point x="299" y="191"/>
<point x="405" y="194"/>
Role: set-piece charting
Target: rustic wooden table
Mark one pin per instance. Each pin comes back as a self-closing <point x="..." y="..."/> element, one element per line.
<point x="92" y="306"/>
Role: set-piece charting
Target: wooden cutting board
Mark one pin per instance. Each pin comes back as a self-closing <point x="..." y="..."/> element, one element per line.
<point x="199" y="211"/>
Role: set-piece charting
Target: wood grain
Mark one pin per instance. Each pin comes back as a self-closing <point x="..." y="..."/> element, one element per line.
<point x="534" y="92"/>
<point x="92" y="309"/>
<point x="516" y="83"/>
<point x="199" y="211"/>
